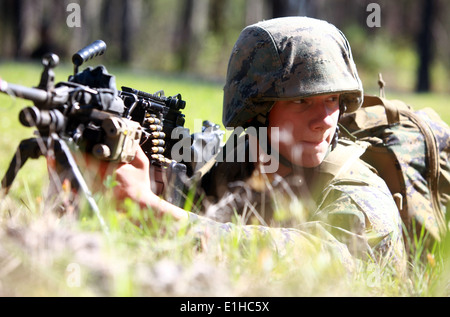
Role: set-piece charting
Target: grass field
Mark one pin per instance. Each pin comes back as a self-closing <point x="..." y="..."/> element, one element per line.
<point x="43" y="255"/>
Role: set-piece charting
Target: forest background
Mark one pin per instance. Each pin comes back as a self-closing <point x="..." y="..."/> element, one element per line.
<point x="407" y="41"/>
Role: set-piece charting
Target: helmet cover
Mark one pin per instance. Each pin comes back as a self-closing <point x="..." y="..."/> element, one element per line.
<point x="286" y="59"/>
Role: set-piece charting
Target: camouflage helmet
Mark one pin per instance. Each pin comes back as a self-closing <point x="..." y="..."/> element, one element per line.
<point x="285" y="59"/>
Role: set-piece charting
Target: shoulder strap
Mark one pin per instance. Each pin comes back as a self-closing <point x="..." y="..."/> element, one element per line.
<point x="221" y="153"/>
<point x="336" y="164"/>
<point x="391" y="107"/>
<point x="432" y="157"/>
<point x="342" y="158"/>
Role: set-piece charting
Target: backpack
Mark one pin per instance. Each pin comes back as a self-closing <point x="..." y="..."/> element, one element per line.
<point x="410" y="150"/>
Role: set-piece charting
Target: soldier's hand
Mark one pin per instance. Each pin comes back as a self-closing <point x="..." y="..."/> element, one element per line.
<point x="134" y="179"/>
<point x="134" y="182"/>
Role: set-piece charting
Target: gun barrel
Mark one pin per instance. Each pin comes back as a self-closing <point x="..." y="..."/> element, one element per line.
<point x="33" y="94"/>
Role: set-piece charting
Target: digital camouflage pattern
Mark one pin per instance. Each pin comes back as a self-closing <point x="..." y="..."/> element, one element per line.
<point x="403" y="156"/>
<point x="348" y="212"/>
<point x="287" y="58"/>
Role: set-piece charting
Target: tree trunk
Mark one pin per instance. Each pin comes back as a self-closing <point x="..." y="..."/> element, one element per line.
<point x="425" y="47"/>
<point x="190" y="32"/>
<point x="126" y="32"/>
<point x="281" y="8"/>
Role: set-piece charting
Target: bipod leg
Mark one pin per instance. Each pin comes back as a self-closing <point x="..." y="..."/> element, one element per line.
<point x="28" y="148"/>
<point x="67" y="160"/>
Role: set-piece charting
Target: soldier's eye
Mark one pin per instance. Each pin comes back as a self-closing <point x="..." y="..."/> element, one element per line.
<point x="300" y="101"/>
<point x="332" y="102"/>
<point x="332" y="99"/>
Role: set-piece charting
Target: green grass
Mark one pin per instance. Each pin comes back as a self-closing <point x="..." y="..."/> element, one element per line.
<point x="43" y="255"/>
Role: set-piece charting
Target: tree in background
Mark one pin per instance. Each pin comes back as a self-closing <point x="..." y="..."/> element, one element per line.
<point x="196" y="36"/>
<point x="425" y="46"/>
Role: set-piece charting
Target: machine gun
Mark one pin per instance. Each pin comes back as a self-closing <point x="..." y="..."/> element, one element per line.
<point x="88" y="113"/>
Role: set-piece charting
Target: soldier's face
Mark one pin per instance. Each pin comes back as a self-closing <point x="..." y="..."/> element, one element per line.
<point x="306" y="127"/>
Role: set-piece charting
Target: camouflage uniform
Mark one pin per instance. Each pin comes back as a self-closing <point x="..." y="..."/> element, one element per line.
<point x="345" y="207"/>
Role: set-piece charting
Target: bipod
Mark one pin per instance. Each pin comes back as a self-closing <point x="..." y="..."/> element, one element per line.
<point x="33" y="148"/>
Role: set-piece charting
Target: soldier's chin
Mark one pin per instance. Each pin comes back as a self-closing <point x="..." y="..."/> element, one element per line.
<point x="308" y="157"/>
<point x="308" y="161"/>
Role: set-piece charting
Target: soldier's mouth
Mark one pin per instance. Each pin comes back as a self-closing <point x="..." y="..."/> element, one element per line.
<point x="314" y="143"/>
